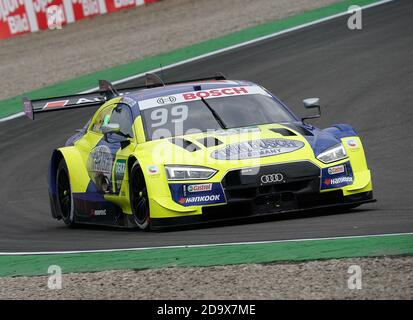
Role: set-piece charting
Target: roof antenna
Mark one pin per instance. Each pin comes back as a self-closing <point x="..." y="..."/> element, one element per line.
<point x="107" y="89"/>
<point x="153" y="80"/>
<point x="162" y="75"/>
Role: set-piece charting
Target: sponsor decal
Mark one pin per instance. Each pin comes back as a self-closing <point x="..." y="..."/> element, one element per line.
<point x="124" y="3"/>
<point x="336" y="181"/>
<point x="200" y="199"/>
<point x="228" y="132"/>
<point x="120" y="168"/>
<point x="352" y="143"/>
<point x="99" y="167"/>
<point x="215" y="93"/>
<point x="101" y="160"/>
<point x="55" y="104"/>
<point x="22" y="16"/>
<point x="199" y="187"/>
<point x="153" y="169"/>
<point x="337" y="176"/>
<point x="85" y="100"/>
<point x="14" y="18"/>
<point x="256" y="149"/>
<point x="272" y="178"/>
<point x="197" y="194"/>
<point x="98" y="213"/>
<point x="336" y="169"/>
<point x="198" y="95"/>
<point x="166" y="100"/>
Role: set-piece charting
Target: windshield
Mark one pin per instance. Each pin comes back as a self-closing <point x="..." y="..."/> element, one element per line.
<point x="212" y="114"/>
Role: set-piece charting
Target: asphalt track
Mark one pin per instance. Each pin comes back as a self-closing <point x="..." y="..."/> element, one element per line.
<point x="364" y="78"/>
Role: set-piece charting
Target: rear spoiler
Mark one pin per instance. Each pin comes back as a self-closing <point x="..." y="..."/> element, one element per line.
<point x="95" y="99"/>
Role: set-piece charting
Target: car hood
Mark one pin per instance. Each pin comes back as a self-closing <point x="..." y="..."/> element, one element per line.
<point x="256" y="145"/>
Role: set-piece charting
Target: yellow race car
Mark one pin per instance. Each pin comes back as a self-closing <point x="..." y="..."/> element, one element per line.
<point x="202" y="150"/>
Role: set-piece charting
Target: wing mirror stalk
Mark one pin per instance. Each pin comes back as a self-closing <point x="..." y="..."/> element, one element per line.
<point x="312" y="103"/>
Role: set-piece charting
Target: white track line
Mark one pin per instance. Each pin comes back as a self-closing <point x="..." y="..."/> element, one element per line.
<point x="305" y="25"/>
<point x="201" y="245"/>
<point x="13" y="116"/>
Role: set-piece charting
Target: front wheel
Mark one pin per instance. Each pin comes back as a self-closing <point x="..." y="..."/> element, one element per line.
<point x="139" y="198"/>
<point x="64" y="195"/>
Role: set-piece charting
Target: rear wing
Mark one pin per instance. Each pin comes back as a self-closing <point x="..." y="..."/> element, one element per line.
<point x="95" y="99"/>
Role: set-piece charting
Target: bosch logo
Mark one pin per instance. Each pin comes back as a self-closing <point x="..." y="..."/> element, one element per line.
<point x="272" y="178"/>
<point x="164" y="100"/>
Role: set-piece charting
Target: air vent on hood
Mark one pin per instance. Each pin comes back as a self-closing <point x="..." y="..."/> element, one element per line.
<point x="301" y="130"/>
<point x="284" y="132"/>
<point x="185" y="144"/>
<point x="210" y="142"/>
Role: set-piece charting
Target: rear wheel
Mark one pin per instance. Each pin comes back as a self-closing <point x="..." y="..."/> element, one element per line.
<point x="64" y="194"/>
<point x="139" y="198"/>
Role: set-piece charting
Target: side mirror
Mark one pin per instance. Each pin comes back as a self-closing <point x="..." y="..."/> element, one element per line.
<point x="110" y="128"/>
<point x="312" y="103"/>
<point x="114" y="128"/>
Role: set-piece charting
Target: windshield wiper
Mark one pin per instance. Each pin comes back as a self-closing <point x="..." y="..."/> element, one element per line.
<point x="215" y="114"/>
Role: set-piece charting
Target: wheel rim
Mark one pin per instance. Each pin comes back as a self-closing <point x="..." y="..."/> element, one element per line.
<point x="140" y="201"/>
<point x="64" y="194"/>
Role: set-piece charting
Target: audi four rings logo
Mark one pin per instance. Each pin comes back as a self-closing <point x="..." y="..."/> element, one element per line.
<point x="272" y="178"/>
<point x="164" y="100"/>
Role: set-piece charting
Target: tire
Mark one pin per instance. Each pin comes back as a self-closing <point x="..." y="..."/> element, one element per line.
<point x="139" y="198"/>
<point x="64" y="201"/>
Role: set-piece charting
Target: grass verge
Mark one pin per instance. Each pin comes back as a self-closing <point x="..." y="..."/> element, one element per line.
<point x="203" y="256"/>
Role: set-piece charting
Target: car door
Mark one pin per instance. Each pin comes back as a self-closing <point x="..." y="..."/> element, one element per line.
<point x="121" y="145"/>
<point x="106" y="163"/>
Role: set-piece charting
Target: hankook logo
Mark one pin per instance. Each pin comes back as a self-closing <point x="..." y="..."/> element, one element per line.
<point x="272" y="178"/>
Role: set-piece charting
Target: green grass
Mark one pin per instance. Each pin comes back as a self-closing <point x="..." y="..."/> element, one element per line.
<point x="30" y="265"/>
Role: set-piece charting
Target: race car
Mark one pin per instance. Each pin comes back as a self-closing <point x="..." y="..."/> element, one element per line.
<point x="198" y="151"/>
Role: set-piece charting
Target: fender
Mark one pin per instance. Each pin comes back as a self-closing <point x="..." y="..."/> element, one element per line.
<point x="79" y="178"/>
<point x="78" y="175"/>
<point x="342" y="131"/>
<point x="328" y="137"/>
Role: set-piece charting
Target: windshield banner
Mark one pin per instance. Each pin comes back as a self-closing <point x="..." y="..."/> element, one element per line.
<point x="198" y="95"/>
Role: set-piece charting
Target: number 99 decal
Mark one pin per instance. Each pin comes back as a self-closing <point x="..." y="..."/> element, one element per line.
<point x="176" y="114"/>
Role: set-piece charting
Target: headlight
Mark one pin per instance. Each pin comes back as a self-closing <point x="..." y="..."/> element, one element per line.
<point x="333" y="154"/>
<point x="189" y="173"/>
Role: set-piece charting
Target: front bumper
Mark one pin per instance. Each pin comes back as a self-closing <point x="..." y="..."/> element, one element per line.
<point x="243" y="211"/>
<point x="272" y="189"/>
